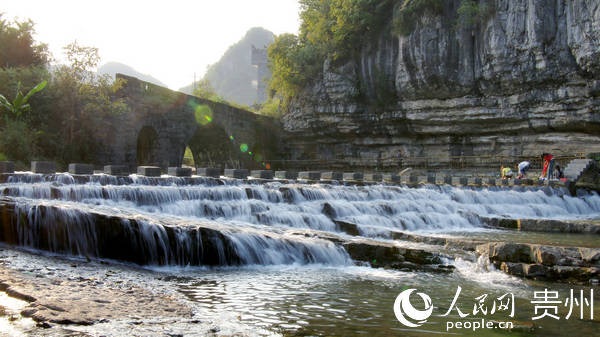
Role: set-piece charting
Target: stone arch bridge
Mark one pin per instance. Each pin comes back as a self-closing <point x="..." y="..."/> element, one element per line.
<point x="161" y="123"/>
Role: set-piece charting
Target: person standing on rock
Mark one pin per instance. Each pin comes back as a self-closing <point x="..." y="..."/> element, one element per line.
<point x="548" y="161"/>
<point x="523" y="167"/>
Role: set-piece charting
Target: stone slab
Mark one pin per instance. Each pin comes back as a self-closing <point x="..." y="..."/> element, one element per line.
<point x="491" y="182"/>
<point x="332" y="175"/>
<point x="286" y="175"/>
<point x="209" y="172"/>
<point x="78" y="168"/>
<point x="7" y="167"/>
<point x="43" y="167"/>
<point x="431" y="179"/>
<point x="309" y="175"/>
<point x="354" y="176"/>
<point x="236" y="173"/>
<point x="148" y="171"/>
<point x="116" y="170"/>
<point x="460" y="181"/>
<point x="475" y="181"/>
<point x="262" y="174"/>
<point x="180" y="171"/>
<point x="391" y="178"/>
<point x="373" y="177"/>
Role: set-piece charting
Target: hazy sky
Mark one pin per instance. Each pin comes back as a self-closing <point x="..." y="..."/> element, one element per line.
<point x="169" y="40"/>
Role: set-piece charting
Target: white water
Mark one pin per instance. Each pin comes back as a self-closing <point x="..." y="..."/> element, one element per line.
<point x="259" y="220"/>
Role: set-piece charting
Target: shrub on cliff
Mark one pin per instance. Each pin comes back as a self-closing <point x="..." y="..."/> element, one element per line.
<point x="409" y="11"/>
<point x="334" y="29"/>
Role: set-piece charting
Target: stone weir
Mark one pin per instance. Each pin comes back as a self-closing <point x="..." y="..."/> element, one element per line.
<point x="208" y="221"/>
<point x="521" y="80"/>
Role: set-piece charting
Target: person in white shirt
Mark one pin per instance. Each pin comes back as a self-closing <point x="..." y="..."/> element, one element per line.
<point x="523" y="167"/>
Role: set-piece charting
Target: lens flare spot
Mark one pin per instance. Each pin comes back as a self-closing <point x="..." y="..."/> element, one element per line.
<point x="203" y="114"/>
<point x="268" y="166"/>
<point x="244" y="148"/>
<point x="250" y="153"/>
<point x="230" y="137"/>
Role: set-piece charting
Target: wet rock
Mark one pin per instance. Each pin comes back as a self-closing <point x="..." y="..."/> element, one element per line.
<point x="548" y="256"/>
<point x="329" y="210"/>
<point x="347" y="227"/>
<point x="590" y="255"/>
<point x="379" y="254"/>
<point x="515" y="269"/>
<point x="508" y="252"/>
<point x="535" y="270"/>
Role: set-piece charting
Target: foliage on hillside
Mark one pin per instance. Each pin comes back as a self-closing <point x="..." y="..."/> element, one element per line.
<point x="339" y="29"/>
<point x="334" y="29"/>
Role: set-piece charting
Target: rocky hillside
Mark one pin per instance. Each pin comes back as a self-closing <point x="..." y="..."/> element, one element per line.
<point x="523" y="79"/>
<point x="233" y="75"/>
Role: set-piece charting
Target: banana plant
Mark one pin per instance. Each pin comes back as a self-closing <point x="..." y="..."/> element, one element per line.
<point x="19" y="105"/>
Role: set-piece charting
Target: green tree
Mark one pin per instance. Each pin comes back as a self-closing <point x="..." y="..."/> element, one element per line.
<point x="83" y="104"/>
<point x="206" y="91"/>
<point x="18" y="48"/>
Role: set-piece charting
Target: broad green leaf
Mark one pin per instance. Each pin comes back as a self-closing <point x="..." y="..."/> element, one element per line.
<point x="37" y="88"/>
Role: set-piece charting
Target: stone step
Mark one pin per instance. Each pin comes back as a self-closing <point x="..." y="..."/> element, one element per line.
<point x="116" y="170"/>
<point x="262" y="174"/>
<point x="236" y="173"/>
<point x="332" y="175"/>
<point x="7" y="167"/>
<point x="148" y="171"/>
<point x="43" y="167"/>
<point x="286" y="175"/>
<point x="180" y="171"/>
<point x="391" y="178"/>
<point x="355" y="176"/>
<point x="309" y="175"/>
<point x="77" y="168"/>
<point x="373" y="177"/>
<point x="209" y="172"/>
<point x="577" y="167"/>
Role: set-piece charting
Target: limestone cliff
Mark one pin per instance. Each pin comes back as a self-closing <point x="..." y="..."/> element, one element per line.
<point x="524" y="80"/>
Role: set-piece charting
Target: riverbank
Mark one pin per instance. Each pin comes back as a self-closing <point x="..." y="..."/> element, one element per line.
<point x="55" y="296"/>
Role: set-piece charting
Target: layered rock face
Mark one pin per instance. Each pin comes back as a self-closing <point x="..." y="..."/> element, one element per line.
<point x="523" y="80"/>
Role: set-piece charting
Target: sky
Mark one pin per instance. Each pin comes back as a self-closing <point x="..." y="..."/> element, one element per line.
<point x="169" y="40"/>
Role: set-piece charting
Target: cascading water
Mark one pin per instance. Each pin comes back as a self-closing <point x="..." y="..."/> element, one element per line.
<point x="252" y="222"/>
<point x="323" y="233"/>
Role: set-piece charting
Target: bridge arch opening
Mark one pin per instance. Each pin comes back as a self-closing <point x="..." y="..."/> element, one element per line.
<point x="147" y="146"/>
<point x="212" y="147"/>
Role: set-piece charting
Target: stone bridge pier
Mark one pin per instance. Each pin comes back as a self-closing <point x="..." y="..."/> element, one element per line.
<point x="162" y="123"/>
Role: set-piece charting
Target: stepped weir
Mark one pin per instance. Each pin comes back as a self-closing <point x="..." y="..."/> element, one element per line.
<point x="220" y="221"/>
